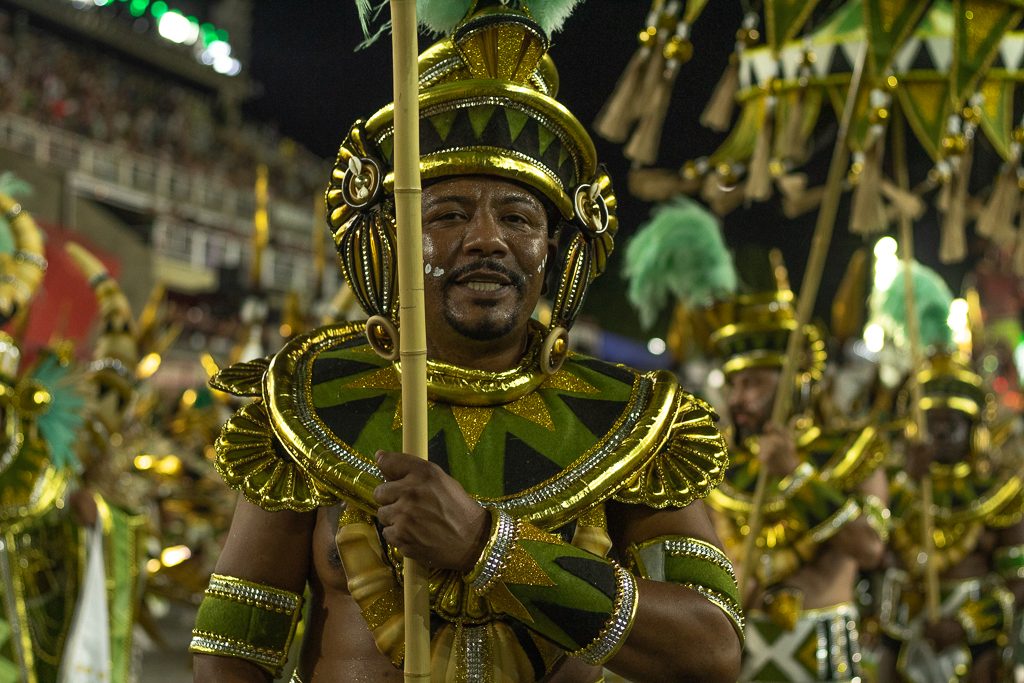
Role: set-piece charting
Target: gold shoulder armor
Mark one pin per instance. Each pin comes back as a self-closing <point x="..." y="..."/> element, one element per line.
<point x="242" y="379"/>
<point x="689" y="462"/>
<point x="252" y="460"/>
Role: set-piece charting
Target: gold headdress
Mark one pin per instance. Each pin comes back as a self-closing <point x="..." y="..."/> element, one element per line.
<point x="752" y="330"/>
<point x="487" y="107"/>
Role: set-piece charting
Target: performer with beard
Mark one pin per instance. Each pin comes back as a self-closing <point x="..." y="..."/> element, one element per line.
<point x="560" y="513"/>
<point x="824" y="515"/>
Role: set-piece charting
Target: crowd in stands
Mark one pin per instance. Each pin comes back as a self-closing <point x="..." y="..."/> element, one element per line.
<point x="82" y="88"/>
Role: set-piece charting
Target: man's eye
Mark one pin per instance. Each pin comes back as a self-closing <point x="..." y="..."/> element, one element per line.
<point x="448" y="216"/>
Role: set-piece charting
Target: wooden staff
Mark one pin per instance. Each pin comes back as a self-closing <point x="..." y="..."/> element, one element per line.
<point x="914" y="337"/>
<point x="820" y="243"/>
<point x="413" y="339"/>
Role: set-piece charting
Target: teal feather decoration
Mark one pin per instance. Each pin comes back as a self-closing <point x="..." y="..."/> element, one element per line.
<point x="12" y="186"/>
<point x="60" y="422"/>
<point x="679" y="252"/>
<point x="932" y="298"/>
<point x="440" y="17"/>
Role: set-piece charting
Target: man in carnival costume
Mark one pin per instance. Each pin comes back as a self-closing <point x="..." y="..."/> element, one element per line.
<point x="971" y="455"/>
<point x="559" y="515"/>
<point x="70" y="540"/>
<point x="824" y="516"/>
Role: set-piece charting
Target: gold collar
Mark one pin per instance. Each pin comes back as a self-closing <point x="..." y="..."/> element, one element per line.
<point x="461" y="386"/>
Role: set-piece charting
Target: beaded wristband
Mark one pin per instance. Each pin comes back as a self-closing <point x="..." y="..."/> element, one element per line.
<point x="494" y="556"/>
<point x="618" y="626"/>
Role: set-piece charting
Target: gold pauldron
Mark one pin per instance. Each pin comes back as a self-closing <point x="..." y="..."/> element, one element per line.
<point x="251" y="621"/>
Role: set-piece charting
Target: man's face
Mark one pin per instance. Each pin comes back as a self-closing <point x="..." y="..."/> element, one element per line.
<point x="485" y="246"/>
<point x="750" y="393"/>
<point x="950" y="431"/>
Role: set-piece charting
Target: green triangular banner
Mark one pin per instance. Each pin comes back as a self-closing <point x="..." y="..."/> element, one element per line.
<point x="978" y="26"/>
<point x="926" y="106"/>
<point x="889" y="24"/>
<point x="785" y="18"/>
<point x="997" y="114"/>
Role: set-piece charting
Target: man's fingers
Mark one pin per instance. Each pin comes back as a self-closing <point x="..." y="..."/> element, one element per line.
<point x="386" y="493"/>
<point x="397" y="465"/>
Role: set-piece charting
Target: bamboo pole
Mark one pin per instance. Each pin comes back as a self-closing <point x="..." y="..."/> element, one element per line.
<point x="906" y="233"/>
<point x="820" y="243"/>
<point x="413" y="339"/>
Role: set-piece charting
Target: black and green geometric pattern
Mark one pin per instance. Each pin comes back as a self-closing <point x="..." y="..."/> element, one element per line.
<point x="504" y="126"/>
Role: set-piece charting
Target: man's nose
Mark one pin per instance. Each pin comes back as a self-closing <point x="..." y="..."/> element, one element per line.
<point x="484" y="237"/>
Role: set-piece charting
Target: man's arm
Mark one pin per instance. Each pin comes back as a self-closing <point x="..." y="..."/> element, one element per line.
<point x="677" y="634"/>
<point x="268" y="548"/>
<point x="862" y="538"/>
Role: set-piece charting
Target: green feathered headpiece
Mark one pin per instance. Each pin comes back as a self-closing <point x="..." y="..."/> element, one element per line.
<point x="61" y="419"/>
<point x="678" y="253"/>
<point x="440" y="17"/>
<point x="932" y="298"/>
<point x="12" y="186"/>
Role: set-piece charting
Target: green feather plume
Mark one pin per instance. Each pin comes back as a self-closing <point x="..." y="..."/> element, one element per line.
<point x="932" y="298"/>
<point x="680" y="253"/>
<point x="440" y="17"/>
<point x="60" y="423"/>
<point x="12" y="186"/>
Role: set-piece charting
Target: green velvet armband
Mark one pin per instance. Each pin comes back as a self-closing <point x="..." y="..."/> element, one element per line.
<point x="582" y="602"/>
<point x="1009" y="561"/>
<point x="988" y="617"/>
<point x="695" y="564"/>
<point x="250" y="621"/>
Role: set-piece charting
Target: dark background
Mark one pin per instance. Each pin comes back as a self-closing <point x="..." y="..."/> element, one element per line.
<point x="313" y="81"/>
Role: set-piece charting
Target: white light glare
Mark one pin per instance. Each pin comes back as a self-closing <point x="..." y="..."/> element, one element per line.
<point x="177" y="28"/>
<point x="656" y="346"/>
<point x="874" y="337"/>
<point x="716" y="379"/>
<point x="887" y="264"/>
<point x="958" y="321"/>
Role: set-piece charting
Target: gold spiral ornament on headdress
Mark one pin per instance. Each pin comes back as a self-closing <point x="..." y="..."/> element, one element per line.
<point x="22" y="271"/>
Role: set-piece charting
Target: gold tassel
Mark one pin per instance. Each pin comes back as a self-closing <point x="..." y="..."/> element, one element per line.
<point x="759" y="174"/>
<point x="996" y="219"/>
<point x="642" y="148"/>
<point x="797" y="199"/>
<point x="717" y="115"/>
<point x="721" y="191"/>
<point x="793" y="145"/>
<point x="620" y="111"/>
<point x="867" y="215"/>
<point x="901" y="202"/>
<point x="953" y="239"/>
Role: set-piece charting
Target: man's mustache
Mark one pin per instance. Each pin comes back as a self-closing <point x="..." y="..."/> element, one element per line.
<point x="517" y="278"/>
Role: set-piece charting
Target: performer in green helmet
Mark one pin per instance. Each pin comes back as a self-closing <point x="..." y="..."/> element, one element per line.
<point x="560" y="513"/>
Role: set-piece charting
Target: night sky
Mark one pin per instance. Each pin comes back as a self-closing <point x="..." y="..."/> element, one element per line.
<point x="315" y="84"/>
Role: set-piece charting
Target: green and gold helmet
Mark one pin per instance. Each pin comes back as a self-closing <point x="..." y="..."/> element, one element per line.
<point x="947" y="381"/>
<point x="487" y="107"/>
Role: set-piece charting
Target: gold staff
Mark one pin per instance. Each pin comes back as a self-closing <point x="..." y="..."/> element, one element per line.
<point x="823" y="229"/>
<point x="413" y="339"/>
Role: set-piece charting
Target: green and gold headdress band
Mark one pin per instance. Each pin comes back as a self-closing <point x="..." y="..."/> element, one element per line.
<point x="947" y="382"/>
<point x="487" y="107"/>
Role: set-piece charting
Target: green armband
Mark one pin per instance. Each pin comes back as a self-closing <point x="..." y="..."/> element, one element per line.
<point x="582" y="602"/>
<point x="247" y="620"/>
<point x="988" y="617"/>
<point x="695" y="564"/>
<point x="1009" y="561"/>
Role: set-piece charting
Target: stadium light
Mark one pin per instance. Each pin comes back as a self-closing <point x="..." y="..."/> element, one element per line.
<point x="177" y="28"/>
